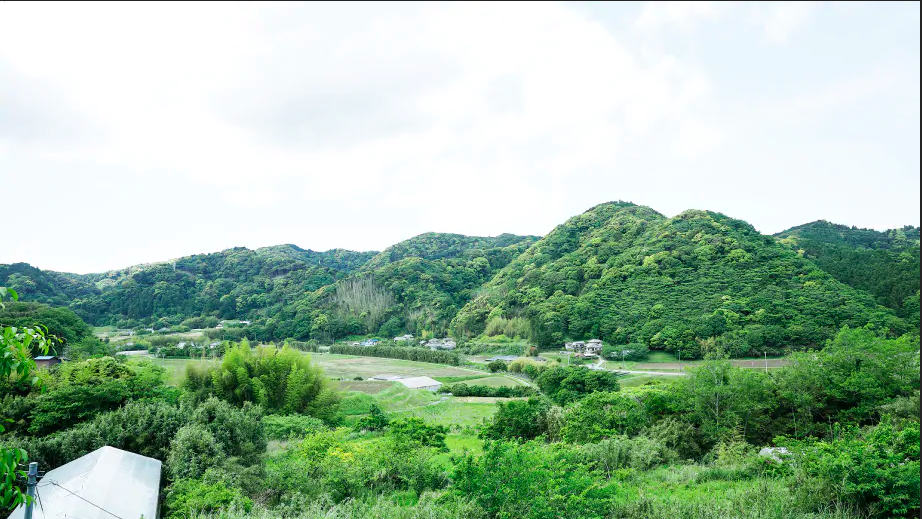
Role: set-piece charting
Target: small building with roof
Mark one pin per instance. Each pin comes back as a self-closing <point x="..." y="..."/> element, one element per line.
<point x="103" y="484"/>
<point x="46" y="361"/>
<point x="421" y="383"/>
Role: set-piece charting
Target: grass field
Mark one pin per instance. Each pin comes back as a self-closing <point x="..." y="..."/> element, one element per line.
<point x="349" y="367"/>
<point x="176" y="368"/>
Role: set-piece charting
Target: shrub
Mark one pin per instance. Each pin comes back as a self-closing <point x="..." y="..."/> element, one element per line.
<point x="463" y="389"/>
<point x="496" y="366"/>
<point x="531" y="480"/>
<point x="375" y="421"/>
<point x="877" y="471"/>
<point x="285" y="427"/>
<point x="517" y="420"/>
<point x="192" y="452"/>
<point x="187" y="498"/>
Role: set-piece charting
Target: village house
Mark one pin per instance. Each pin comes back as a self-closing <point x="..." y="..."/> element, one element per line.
<point x="441" y="344"/>
<point x="403" y="338"/>
<point x="587" y="349"/>
<point x="46" y="361"/>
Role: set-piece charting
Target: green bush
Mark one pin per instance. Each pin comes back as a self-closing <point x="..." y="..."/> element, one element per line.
<point x="532" y="480"/>
<point x="497" y="366"/>
<point x="187" y="498"/>
<point x="192" y="452"/>
<point x="877" y="470"/>
<point x="285" y="427"/>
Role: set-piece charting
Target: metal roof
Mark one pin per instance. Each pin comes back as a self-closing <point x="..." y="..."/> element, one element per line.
<point x="105" y="483"/>
<point x="45" y="357"/>
<point x="418" y="382"/>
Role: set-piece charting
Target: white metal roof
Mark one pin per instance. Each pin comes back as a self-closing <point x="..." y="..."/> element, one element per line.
<point x="109" y="482"/>
<point x="418" y="382"/>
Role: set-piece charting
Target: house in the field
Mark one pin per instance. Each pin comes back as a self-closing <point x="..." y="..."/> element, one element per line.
<point x="421" y="383"/>
<point x="103" y="484"/>
<point x="575" y="346"/>
<point x="590" y="348"/>
<point x="404" y="338"/>
<point x="441" y="344"/>
<point x="593" y="347"/>
<point x="46" y="361"/>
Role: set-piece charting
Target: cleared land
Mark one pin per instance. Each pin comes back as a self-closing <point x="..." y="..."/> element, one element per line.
<point x="349" y="366"/>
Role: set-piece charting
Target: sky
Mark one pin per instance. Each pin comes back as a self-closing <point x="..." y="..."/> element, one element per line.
<point x="133" y="133"/>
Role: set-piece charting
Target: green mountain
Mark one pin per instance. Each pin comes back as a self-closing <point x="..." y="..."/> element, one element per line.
<point x="883" y="263"/>
<point x="420" y="283"/>
<point x="620" y="272"/>
<point x="416" y="285"/>
<point x="626" y="273"/>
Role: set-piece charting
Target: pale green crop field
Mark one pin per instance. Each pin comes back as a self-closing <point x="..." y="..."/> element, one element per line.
<point x="349" y="367"/>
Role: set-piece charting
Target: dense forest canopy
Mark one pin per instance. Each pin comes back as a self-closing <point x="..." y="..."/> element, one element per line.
<point x="620" y="272"/>
<point x="626" y="273"/>
<point x="884" y="264"/>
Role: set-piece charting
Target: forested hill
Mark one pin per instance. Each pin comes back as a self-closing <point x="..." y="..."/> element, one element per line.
<point x="434" y="246"/>
<point x="620" y="272"/>
<point x="883" y="263"/>
<point x="425" y="280"/>
<point x="625" y="273"/>
<point x="229" y="284"/>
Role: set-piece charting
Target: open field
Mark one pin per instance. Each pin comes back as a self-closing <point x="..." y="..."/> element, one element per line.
<point x="176" y="368"/>
<point x="349" y="367"/>
<point x="369" y="387"/>
<point x="452" y="412"/>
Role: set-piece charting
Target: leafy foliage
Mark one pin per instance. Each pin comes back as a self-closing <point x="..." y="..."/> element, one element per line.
<point x="278" y="379"/>
<point x="390" y="352"/>
<point x="885" y="264"/>
<point x="625" y="273"/>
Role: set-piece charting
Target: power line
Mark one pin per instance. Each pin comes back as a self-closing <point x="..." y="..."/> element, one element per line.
<point x="55" y="483"/>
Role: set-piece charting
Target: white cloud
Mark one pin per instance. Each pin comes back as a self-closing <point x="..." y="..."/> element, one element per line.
<point x="186" y="128"/>
<point x="782" y="19"/>
<point x="682" y="14"/>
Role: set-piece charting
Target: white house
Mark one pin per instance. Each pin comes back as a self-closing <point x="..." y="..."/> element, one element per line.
<point x="441" y="344"/>
<point x="421" y="383"/>
<point x="403" y="338"/>
<point x="105" y="483"/>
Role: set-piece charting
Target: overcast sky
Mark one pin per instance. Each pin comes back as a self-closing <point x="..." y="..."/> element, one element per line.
<point x="132" y="133"/>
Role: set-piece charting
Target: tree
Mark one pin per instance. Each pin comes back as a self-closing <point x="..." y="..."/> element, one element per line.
<point x="496" y="366"/>
<point x="517" y="420"/>
<point x="192" y="451"/>
<point x="16" y="361"/>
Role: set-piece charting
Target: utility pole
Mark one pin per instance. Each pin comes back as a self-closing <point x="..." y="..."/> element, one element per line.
<point x="680" y="361"/>
<point x="766" y="361"/>
<point x="30" y="489"/>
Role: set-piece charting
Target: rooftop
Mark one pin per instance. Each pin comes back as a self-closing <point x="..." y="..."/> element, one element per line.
<point x="117" y="482"/>
<point x="418" y="382"/>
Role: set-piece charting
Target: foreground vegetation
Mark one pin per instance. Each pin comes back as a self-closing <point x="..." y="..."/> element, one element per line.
<point x="264" y="434"/>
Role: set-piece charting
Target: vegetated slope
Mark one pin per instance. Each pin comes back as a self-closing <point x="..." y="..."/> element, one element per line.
<point x="885" y="264"/>
<point x="234" y="283"/>
<point x="45" y="286"/>
<point x="417" y="285"/>
<point x="61" y="323"/>
<point x="434" y="246"/>
<point x="626" y="273"/>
